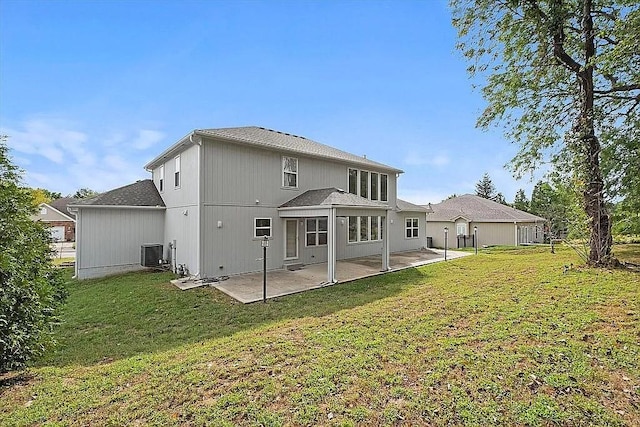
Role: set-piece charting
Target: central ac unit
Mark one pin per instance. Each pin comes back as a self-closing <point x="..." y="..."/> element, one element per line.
<point x="150" y="255"/>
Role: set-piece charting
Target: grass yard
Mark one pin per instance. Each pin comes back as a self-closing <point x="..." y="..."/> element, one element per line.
<point x="507" y="337"/>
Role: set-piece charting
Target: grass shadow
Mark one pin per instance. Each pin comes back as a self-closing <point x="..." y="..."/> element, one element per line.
<point x="121" y="316"/>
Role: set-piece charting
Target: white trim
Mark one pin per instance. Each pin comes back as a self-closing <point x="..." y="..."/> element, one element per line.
<point x="78" y="207"/>
<point x="255" y="227"/>
<point x="161" y="181"/>
<point x="177" y="172"/>
<point x="296" y="172"/>
<point x="56" y="210"/>
<point x="317" y="232"/>
<point x="411" y="227"/>
<point x="285" y="257"/>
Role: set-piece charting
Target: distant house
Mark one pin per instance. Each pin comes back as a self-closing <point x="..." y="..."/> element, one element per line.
<point x="61" y="222"/>
<point x="496" y="223"/>
<point x="216" y="194"/>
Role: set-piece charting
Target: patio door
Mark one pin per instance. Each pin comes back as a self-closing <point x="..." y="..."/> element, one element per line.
<point x="291" y="239"/>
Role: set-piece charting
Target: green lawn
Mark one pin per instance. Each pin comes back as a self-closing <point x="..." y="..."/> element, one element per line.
<point x="507" y="337"/>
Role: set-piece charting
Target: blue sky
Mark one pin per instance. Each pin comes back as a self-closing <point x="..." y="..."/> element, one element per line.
<point x="92" y="90"/>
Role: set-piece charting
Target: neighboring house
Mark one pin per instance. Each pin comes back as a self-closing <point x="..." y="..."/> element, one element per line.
<point x="496" y="223"/>
<point x="62" y="223"/>
<point x="217" y="193"/>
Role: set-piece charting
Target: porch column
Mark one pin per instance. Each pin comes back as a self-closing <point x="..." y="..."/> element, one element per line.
<point x="515" y="226"/>
<point x="385" y="243"/>
<point x="331" y="246"/>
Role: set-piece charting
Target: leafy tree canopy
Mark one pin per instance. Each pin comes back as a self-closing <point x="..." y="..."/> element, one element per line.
<point x="31" y="288"/>
<point x="563" y="78"/>
<point x="42" y="195"/>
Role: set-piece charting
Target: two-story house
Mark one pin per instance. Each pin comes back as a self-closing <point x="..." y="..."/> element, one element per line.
<point x="217" y="193"/>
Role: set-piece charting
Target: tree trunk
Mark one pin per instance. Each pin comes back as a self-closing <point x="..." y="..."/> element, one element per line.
<point x="594" y="204"/>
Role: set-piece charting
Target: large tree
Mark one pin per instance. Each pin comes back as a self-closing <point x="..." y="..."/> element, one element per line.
<point x="563" y="77"/>
<point x="31" y="288"/>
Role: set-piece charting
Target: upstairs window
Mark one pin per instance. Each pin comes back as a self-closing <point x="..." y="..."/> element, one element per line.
<point x="176" y="174"/>
<point x="262" y="227"/>
<point x="353" y="181"/>
<point x="374" y="186"/>
<point x="364" y="184"/>
<point x="43" y="211"/>
<point x="161" y="180"/>
<point x="411" y="228"/>
<point x="289" y="172"/>
<point x="383" y="187"/>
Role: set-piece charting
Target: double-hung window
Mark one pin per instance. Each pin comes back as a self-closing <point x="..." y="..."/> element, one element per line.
<point x="316" y="234"/>
<point x="161" y="178"/>
<point x="364" y="184"/>
<point x="176" y="174"/>
<point x="262" y="227"/>
<point x="411" y="228"/>
<point x="289" y="172"/>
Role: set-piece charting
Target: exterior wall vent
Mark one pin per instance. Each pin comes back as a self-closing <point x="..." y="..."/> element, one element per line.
<point x="150" y="255"/>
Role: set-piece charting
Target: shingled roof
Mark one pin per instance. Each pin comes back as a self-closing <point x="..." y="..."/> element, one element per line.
<point x="404" y="206"/>
<point x="61" y="205"/>
<point x="478" y="209"/>
<point x="140" y="193"/>
<point x="331" y="197"/>
<point x="282" y="141"/>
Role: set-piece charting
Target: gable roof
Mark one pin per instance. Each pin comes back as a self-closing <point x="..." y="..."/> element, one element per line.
<point x="61" y="205"/>
<point x="331" y="197"/>
<point x="404" y="206"/>
<point x="478" y="209"/>
<point x="275" y="140"/>
<point x="140" y="193"/>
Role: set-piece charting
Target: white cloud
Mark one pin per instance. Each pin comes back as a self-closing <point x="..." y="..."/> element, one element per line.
<point x="146" y="139"/>
<point x="58" y="156"/>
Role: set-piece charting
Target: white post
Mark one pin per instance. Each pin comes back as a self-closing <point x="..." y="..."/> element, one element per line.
<point x="515" y="225"/>
<point x="331" y="246"/>
<point x="385" y="243"/>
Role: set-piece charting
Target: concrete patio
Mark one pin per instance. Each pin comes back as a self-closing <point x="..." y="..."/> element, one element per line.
<point x="247" y="288"/>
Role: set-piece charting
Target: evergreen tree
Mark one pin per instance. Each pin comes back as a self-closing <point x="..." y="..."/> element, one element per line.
<point x="521" y="202"/>
<point x="485" y="188"/>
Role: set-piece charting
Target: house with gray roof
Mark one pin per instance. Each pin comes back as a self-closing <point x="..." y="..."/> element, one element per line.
<point x="216" y="194"/>
<point x="493" y="223"/>
<point x="61" y="222"/>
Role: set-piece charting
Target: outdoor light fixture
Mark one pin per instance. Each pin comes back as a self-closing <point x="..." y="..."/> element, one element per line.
<point x="446" y="235"/>
<point x="475" y="238"/>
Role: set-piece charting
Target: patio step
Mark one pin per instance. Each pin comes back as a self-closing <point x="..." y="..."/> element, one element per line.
<point x="294" y="267"/>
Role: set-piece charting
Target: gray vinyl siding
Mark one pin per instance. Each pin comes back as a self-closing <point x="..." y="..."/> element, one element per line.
<point x="232" y="247"/>
<point x="239" y="175"/>
<point x="181" y="225"/>
<point x="243" y="183"/>
<point x="397" y="236"/>
<point x="180" y="200"/>
<point x="109" y="240"/>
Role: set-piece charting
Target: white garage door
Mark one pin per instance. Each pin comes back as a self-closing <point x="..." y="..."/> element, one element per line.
<point x="57" y="233"/>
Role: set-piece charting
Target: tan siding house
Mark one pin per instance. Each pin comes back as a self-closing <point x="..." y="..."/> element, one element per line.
<point x="493" y="223"/>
